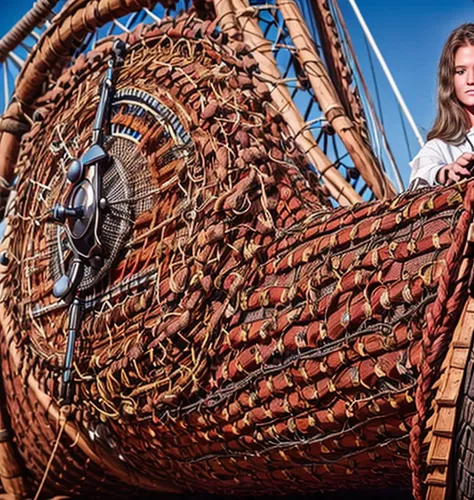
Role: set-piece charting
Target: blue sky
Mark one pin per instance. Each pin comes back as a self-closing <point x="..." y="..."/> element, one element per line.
<point x="410" y="35"/>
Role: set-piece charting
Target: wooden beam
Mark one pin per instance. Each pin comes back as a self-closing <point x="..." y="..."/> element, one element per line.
<point x="362" y="156"/>
<point x="261" y="48"/>
<point x="338" y="69"/>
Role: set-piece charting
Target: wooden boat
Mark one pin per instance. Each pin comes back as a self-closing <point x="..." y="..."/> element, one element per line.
<point x="187" y="306"/>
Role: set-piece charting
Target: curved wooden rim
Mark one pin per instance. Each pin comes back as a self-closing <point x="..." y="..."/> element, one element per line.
<point x="38" y="13"/>
<point x="10" y="475"/>
<point x="52" y="53"/>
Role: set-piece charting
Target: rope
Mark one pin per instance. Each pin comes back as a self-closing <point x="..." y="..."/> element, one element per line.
<point x="375" y="132"/>
<point x="405" y="134"/>
<point x="25" y="26"/>
<point x="53" y="453"/>
<point x="374" y="78"/>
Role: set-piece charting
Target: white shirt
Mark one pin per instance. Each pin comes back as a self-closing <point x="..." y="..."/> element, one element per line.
<point x="434" y="155"/>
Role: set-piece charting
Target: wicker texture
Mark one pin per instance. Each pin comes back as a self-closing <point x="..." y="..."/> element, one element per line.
<point x="249" y="336"/>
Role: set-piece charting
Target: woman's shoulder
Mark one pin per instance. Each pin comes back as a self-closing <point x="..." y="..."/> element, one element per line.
<point x="434" y="145"/>
<point x="434" y="148"/>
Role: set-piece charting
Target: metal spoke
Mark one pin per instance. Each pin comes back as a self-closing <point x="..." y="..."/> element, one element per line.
<point x="6" y="90"/>
<point x="17" y="60"/>
<point x="35" y="35"/>
<point x="152" y="15"/>
<point x="121" y="26"/>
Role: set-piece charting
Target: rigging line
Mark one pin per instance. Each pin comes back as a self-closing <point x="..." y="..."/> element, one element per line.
<point x="348" y="43"/>
<point x="405" y="134"/>
<point x="84" y="45"/>
<point x="387" y="72"/>
<point x="379" y="103"/>
<point x="51" y="457"/>
<point x="306" y="9"/>
<point x="374" y="79"/>
<point x="132" y="19"/>
<point x="6" y="90"/>
<point x="371" y="124"/>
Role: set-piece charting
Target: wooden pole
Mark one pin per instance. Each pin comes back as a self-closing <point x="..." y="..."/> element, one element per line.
<point x="362" y="156"/>
<point x="34" y="17"/>
<point x="337" y="67"/>
<point x="226" y="19"/>
<point x="338" y="187"/>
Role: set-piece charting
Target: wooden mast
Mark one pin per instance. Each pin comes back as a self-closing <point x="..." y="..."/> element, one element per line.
<point x="364" y="160"/>
<point x="339" y="71"/>
<point x="338" y="187"/>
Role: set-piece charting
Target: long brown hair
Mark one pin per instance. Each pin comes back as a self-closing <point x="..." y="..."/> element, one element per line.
<point x="451" y="123"/>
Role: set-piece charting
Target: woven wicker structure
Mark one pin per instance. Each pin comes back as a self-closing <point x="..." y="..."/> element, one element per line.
<point x="243" y="334"/>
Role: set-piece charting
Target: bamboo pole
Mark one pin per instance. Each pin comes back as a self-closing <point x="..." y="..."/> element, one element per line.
<point x="338" y="187"/>
<point x="362" y="156"/>
<point x="337" y="67"/>
<point x="35" y="16"/>
<point x="226" y="19"/>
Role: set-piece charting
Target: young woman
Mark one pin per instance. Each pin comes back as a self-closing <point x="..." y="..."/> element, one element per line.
<point x="448" y="155"/>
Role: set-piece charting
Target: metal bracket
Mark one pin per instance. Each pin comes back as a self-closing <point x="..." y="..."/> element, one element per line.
<point x="82" y="216"/>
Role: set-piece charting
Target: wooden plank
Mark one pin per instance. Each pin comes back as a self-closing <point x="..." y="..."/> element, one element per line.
<point x="470" y="233"/>
<point x="438" y="383"/>
<point x="438" y="477"/>
<point x="436" y="493"/>
<point x="427" y="440"/>
<point x="432" y="418"/>
<point x="463" y="332"/>
<point x="446" y="362"/>
<point x="439" y="451"/>
<point x="459" y="358"/>
<point x="444" y="408"/>
<point x="469" y="306"/>
<point x="450" y="392"/>
<point x="445" y="420"/>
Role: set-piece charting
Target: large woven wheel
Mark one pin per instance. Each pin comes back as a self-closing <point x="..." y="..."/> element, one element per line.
<point x="246" y="335"/>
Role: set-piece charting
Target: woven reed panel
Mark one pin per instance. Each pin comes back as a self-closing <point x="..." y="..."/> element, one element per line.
<point x="249" y="337"/>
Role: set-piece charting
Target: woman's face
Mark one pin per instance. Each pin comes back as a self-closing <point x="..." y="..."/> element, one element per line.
<point x="464" y="75"/>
